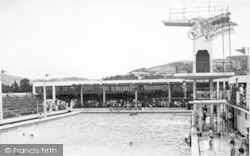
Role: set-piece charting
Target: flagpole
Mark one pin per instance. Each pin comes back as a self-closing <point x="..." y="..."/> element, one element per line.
<point x="44" y="97"/>
<point x="1" y="98"/>
<point x="248" y="78"/>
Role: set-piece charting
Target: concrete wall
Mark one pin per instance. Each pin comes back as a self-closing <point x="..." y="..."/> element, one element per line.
<point x="242" y="123"/>
<point x="19" y="105"/>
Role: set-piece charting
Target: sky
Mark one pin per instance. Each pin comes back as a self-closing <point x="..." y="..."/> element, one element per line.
<point x="98" y="38"/>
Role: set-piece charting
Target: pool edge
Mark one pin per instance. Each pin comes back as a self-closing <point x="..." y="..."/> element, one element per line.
<point x="33" y="121"/>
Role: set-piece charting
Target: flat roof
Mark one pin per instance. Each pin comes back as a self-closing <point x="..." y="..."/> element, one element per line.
<point x="200" y="76"/>
<point x="108" y="82"/>
<point x="207" y="101"/>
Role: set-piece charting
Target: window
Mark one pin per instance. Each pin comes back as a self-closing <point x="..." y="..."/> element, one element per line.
<point x="245" y="116"/>
<point x="239" y="112"/>
<point x="38" y="89"/>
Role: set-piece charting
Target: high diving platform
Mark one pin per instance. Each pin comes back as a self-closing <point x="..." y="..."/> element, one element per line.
<point x="176" y="22"/>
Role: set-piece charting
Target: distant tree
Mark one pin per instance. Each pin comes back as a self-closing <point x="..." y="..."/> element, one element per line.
<point x="14" y="87"/>
<point x="6" y="88"/>
<point x="122" y="77"/>
<point x="25" y="85"/>
<point x="156" y="76"/>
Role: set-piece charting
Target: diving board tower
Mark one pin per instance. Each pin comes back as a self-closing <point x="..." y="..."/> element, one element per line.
<point x="203" y="31"/>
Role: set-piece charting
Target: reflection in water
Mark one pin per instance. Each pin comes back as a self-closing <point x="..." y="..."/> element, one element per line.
<point x="109" y="134"/>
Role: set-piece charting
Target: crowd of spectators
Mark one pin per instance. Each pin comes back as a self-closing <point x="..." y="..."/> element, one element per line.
<point x="130" y="103"/>
<point x="236" y="94"/>
<point x="146" y="103"/>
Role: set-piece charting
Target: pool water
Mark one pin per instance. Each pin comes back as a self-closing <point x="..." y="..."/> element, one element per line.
<point x="109" y="134"/>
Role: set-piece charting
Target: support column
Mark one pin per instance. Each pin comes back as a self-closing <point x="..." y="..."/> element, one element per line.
<point x="218" y="90"/>
<point x="34" y="89"/>
<point x="200" y="118"/>
<point x="224" y="89"/>
<point x="195" y="114"/>
<point x="194" y="89"/>
<point x="194" y="105"/>
<point x="81" y="95"/>
<point x="136" y="94"/>
<point x="184" y="86"/>
<point x="218" y="118"/>
<point x="54" y="93"/>
<point x="103" y="96"/>
<point x="44" y="100"/>
<point x="248" y="79"/>
<point x="1" y="98"/>
<point x="169" y="92"/>
<point x="226" y="112"/>
<point x="211" y="105"/>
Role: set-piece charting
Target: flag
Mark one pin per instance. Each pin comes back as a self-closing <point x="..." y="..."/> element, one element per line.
<point x="242" y="50"/>
<point x="3" y="71"/>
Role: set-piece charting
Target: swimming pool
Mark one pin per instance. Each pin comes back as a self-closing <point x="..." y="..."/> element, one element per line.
<point x="109" y="134"/>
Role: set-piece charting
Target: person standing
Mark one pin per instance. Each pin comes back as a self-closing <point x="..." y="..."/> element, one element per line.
<point x="241" y="90"/>
<point x="230" y="119"/>
<point x="211" y="136"/>
<point x="232" y="150"/>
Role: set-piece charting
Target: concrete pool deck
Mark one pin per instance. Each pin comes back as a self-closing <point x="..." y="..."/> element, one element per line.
<point x="32" y="119"/>
<point x="221" y="146"/>
<point x="182" y="111"/>
<point x="29" y="117"/>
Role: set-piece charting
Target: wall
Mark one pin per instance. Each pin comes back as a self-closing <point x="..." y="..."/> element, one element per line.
<point x="18" y="105"/>
<point x="242" y="123"/>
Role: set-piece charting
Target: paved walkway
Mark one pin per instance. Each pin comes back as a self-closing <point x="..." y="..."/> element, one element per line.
<point x="221" y="146"/>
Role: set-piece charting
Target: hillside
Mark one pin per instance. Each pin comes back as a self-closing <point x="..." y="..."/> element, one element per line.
<point x="238" y="64"/>
<point x="10" y="79"/>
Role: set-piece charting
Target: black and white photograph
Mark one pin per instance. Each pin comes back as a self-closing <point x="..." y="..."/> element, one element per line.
<point x="124" y="77"/>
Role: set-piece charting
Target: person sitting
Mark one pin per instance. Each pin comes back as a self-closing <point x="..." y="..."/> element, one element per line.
<point x="139" y="104"/>
<point x="128" y="105"/>
<point x="150" y="106"/>
<point x="175" y="104"/>
<point x="136" y="105"/>
<point x="186" y="141"/>
<point x="164" y="103"/>
<point x="232" y="136"/>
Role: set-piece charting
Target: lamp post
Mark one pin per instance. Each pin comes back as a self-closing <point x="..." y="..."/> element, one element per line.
<point x="245" y="50"/>
<point x="44" y="97"/>
<point x="1" y="98"/>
